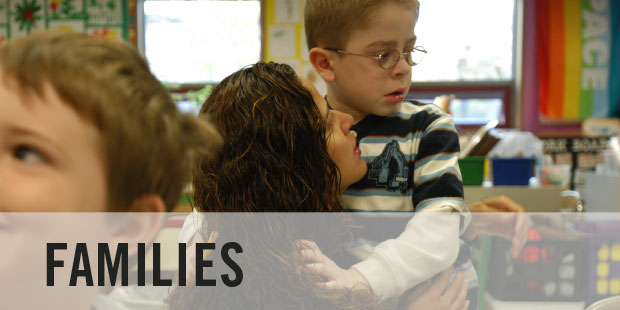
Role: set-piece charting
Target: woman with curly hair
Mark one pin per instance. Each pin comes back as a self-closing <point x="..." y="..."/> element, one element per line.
<point x="284" y="151"/>
<point x="278" y="146"/>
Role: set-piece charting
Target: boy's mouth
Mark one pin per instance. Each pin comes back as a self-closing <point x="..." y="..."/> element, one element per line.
<point x="396" y="96"/>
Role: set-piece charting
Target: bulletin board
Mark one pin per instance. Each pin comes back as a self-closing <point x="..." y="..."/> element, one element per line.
<point x="103" y="18"/>
<point x="284" y="38"/>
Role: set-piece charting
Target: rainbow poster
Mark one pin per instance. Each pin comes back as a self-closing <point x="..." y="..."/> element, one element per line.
<point x="578" y="50"/>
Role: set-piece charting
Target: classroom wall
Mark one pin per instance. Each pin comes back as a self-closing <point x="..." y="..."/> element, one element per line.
<point x="284" y="38"/>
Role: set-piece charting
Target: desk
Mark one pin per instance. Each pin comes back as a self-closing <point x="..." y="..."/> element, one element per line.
<point x="543" y="199"/>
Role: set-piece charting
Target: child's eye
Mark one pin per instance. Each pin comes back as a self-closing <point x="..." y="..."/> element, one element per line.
<point x="29" y="155"/>
<point x="383" y="54"/>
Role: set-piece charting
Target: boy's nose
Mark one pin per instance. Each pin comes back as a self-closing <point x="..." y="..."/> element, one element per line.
<point x="402" y="67"/>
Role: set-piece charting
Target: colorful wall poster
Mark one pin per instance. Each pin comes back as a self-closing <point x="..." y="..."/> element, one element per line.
<point x="104" y="18"/>
<point x="578" y="46"/>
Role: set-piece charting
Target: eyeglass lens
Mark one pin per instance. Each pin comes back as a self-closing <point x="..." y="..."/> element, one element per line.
<point x="412" y="58"/>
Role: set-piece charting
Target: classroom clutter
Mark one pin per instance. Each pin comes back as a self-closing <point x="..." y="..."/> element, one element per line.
<point x="515" y="157"/>
<point x="512" y="171"/>
<point x="472" y="169"/>
<point x="600" y="127"/>
<point x="518" y="158"/>
<point x="601" y="185"/>
<point x="567" y="260"/>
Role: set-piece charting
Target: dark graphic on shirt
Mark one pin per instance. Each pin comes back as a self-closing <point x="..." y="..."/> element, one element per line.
<point x="390" y="169"/>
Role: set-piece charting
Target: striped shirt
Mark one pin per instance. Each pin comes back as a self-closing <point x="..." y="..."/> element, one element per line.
<point x="412" y="159"/>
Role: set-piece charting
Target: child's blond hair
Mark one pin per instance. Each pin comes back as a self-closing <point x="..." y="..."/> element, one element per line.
<point x="148" y="146"/>
<point x="330" y="23"/>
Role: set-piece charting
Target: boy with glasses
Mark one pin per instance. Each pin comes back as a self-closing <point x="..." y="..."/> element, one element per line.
<point x="365" y="50"/>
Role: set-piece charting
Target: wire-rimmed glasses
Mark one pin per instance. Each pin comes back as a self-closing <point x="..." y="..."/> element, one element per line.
<point x="388" y="59"/>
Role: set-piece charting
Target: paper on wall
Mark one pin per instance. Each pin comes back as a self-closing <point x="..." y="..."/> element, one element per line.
<point x="287" y="11"/>
<point x="282" y="41"/>
<point x="304" y="45"/>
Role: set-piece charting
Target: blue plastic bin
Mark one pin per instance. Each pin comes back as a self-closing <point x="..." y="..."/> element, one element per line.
<point x="512" y="171"/>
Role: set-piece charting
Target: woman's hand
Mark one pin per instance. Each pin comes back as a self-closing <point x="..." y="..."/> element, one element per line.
<point x="444" y="293"/>
<point x="337" y="278"/>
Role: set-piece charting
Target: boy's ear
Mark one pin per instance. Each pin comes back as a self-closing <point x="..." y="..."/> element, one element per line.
<point x="148" y="203"/>
<point x="322" y="61"/>
<point x="141" y="224"/>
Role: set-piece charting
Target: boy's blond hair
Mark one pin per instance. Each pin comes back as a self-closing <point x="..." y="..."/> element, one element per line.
<point x="148" y="146"/>
<point x="330" y="23"/>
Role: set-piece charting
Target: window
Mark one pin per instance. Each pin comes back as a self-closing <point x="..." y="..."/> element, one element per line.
<point x="471" y="55"/>
<point x="203" y="41"/>
<point x="472" y="105"/>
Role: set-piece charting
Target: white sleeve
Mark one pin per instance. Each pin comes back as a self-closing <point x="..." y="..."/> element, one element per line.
<point x="429" y="245"/>
<point x="190" y="235"/>
<point x="191" y="227"/>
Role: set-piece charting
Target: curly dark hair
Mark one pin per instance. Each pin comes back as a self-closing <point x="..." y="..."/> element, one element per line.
<point x="275" y="153"/>
<point x="274" y="158"/>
